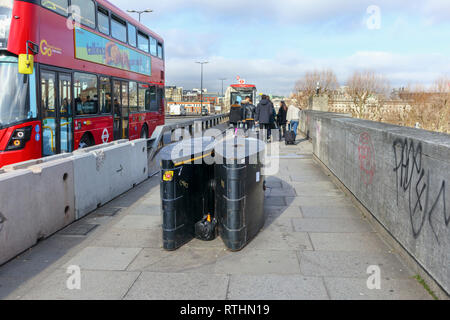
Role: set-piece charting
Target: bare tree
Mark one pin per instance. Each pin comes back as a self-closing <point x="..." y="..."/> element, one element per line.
<point x="368" y="92"/>
<point x="306" y="86"/>
<point x="440" y="105"/>
<point x="429" y="108"/>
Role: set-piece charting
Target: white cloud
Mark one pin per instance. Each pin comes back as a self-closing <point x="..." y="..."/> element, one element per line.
<point x="278" y="74"/>
<point x="298" y="11"/>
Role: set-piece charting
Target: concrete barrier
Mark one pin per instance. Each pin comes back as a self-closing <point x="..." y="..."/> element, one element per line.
<point x="101" y="174"/>
<point x="400" y="175"/>
<point x="34" y="203"/>
<point x="40" y="197"/>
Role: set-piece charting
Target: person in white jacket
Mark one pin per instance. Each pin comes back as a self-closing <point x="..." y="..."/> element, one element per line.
<point x="293" y="117"/>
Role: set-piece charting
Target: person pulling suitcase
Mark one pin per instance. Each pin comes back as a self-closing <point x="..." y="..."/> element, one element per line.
<point x="292" y="117"/>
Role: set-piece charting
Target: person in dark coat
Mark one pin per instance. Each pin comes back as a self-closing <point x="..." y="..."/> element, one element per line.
<point x="263" y="114"/>
<point x="235" y="114"/>
<point x="273" y="117"/>
<point x="281" y="117"/>
<point x="249" y="110"/>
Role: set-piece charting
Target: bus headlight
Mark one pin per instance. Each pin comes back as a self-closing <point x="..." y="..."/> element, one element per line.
<point x="19" y="138"/>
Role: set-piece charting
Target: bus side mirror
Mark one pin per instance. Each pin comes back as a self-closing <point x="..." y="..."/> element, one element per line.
<point x="26" y="63"/>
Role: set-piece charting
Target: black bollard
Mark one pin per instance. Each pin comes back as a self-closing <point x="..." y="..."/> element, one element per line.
<point x="186" y="189"/>
<point x="239" y="190"/>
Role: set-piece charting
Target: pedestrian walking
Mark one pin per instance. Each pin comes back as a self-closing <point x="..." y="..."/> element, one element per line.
<point x="292" y="117"/>
<point x="235" y="114"/>
<point x="248" y="110"/>
<point x="273" y="123"/>
<point x="281" y="117"/>
<point x="263" y="114"/>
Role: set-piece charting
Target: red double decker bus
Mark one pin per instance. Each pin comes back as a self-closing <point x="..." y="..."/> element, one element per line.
<point x="98" y="76"/>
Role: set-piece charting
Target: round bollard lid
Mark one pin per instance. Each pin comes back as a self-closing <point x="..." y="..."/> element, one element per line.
<point x="238" y="148"/>
<point x="188" y="149"/>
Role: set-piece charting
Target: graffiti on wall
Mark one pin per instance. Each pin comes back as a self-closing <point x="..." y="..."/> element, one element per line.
<point x="413" y="179"/>
<point x="366" y="154"/>
<point x="318" y="129"/>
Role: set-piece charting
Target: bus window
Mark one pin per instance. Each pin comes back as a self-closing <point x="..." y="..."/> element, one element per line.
<point x="85" y="93"/>
<point x="87" y="12"/>
<point x="118" y="28"/>
<point x="160" y="99"/>
<point x="160" y="51"/>
<point x="142" y="41"/>
<point x="132" y="35"/>
<point x="103" y="20"/>
<point x="153" y="105"/>
<point x="59" y="6"/>
<point x="105" y="95"/>
<point x="48" y="105"/>
<point x="124" y="99"/>
<point x="153" y="45"/>
<point x="141" y="97"/>
<point x="133" y="95"/>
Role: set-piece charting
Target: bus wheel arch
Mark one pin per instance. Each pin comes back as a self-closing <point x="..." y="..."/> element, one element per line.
<point x="87" y="140"/>
<point x="144" y="131"/>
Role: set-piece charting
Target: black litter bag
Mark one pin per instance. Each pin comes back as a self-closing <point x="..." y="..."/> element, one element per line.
<point x="205" y="229"/>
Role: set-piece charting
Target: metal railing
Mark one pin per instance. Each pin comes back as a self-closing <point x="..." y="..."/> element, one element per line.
<point x="156" y="142"/>
<point x="157" y="139"/>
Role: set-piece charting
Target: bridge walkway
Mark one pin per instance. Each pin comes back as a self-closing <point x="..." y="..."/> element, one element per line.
<point x="315" y="245"/>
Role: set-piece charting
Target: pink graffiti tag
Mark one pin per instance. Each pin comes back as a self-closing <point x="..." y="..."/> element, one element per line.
<point x="366" y="158"/>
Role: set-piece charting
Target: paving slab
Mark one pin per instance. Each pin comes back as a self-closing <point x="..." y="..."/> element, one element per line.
<point x="365" y="242"/>
<point x="184" y="260"/>
<point x="130" y="238"/>
<point x="275" y="240"/>
<point x="273" y="184"/>
<point x="104" y="258"/>
<point x="319" y="200"/>
<point x="275" y="201"/>
<point x="179" y="286"/>
<point x="95" y="285"/>
<point x="330" y="225"/>
<point x="139" y="222"/>
<point x="320" y="211"/>
<point x="274" y="192"/>
<point x="305" y="177"/>
<point x="278" y="224"/>
<point x="145" y="208"/>
<point x="276" y="287"/>
<point x="251" y="261"/>
<point x="350" y="264"/>
<point x="283" y="212"/>
<point x="390" y="289"/>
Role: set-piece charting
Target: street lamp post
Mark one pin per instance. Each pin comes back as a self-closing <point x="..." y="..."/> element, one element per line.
<point x="139" y="12"/>
<point x="222" y="79"/>
<point x="201" y="85"/>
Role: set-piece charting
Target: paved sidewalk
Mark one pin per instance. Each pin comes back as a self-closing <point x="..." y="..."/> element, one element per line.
<point x="315" y="245"/>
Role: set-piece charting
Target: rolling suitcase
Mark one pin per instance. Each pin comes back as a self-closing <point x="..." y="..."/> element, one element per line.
<point x="289" y="137"/>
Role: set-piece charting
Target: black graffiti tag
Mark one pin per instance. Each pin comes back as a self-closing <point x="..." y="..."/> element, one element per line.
<point x="413" y="178"/>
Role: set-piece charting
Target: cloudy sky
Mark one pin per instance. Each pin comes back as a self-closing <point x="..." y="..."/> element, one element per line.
<point x="271" y="43"/>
